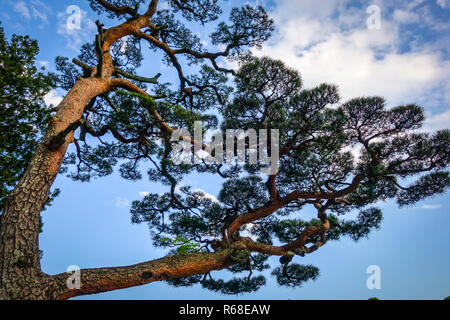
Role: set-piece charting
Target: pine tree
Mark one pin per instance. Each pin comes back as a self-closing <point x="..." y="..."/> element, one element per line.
<point x="117" y="119"/>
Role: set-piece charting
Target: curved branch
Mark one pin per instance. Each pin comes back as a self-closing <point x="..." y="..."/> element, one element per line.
<point x="326" y="195"/>
<point x="130" y="86"/>
<point x="169" y="51"/>
<point x="277" y="204"/>
<point x="163" y="126"/>
<point x="254" y="246"/>
<point x="301" y="241"/>
<point x="107" y="279"/>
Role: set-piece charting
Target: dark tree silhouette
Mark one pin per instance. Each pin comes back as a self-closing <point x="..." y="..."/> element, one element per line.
<point x="115" y="118"/>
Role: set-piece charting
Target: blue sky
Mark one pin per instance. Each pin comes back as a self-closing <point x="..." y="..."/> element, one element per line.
<point x="407" y="60"/>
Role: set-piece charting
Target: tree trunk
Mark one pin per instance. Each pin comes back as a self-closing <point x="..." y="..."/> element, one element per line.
<point x="20" y="271"/>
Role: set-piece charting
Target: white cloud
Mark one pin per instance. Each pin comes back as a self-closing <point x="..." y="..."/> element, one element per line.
<point x="22" y="8"/>
<point x="76" y="37"/>
<point x="40" y="4"/>
<point x="163" y="5"/>
<point x="246" y="232"/>
<point x="327" y="42"/>
<point x="206" y="195"/>
<point x="44" y="63"/>
<point x="144" y="193"/>
<point x="52" y="99"/>
<point x="431" y="206"/>
<point x="34" y="9"/>
<point x="438" y="122"/>
<point x="39" y="14"/>
<point x="405" y="16"/>
<point x="122" y="202"/>
<point x="429" y="20"/>
<point x="415" y="3"/>
<point x="444" y="4"/>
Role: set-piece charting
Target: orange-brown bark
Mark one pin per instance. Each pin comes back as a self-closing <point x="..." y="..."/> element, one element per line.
<point x="108" y="279"/>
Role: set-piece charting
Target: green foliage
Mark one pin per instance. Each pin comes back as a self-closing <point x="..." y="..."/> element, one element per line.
<point x="427" y="186"/>
<point x="320" y="136"/>
<point x="133" y="5"/>
<point x="197" y="10"/>
<point x="174" y="33"/>
<point x="249" y="27"/>
<point x="295" y="275"/>
<point x="183" y="245"/>
<point x="23" y="113"/>
<point x="270" y="95"/>
<point x="235" y="286"/>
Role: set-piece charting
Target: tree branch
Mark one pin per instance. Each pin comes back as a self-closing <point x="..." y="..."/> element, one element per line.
<point x="301" y="240"/>
<point x="273" y="206"/>
<point x="153" y="80"/>
<point x="107" y="279"/>
<point x="116" y="9"/>
<point x="152" y="8"/>
<point x="57" y="141"/>
<point x="82" y="64"/>
<point x="130" y="86"/>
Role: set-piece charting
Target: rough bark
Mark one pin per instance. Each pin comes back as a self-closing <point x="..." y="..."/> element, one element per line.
<point x="108" y="279"/>
<point x="19" y="229"/>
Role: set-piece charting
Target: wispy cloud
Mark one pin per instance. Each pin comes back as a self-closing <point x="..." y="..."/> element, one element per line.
<point x="414" y="3"/>
<point x="438" y="122"/>
<point x="39" y="14"/>
<point x="143" y="193"/>
<point x="431" y="206"/>
<point x="329" y="41"/>
<point x="22" y="8"/>
<point x="33" y="9"/>
<point x="444" y="4"/>
<point x="122" y="202"/>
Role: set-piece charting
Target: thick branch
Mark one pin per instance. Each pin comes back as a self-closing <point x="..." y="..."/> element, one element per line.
<point x="152" y="8"/>
<point x="273" y="206"/>
<point x="326" y="195"/>
<point x="107" y="279"/>
<point x="57" y="141"/>
<point x="254" y="246"/>
<point x="301" y="241"/>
